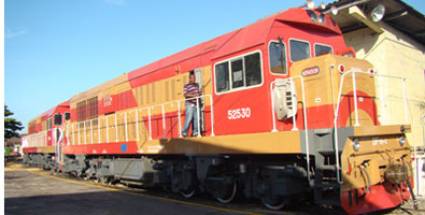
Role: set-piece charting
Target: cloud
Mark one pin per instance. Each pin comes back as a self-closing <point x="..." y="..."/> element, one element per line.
<point x="116" y="2"/>
<point x="17" y="32"/>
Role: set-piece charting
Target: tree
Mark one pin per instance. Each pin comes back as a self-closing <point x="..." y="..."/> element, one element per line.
<point x="11" y="125"/>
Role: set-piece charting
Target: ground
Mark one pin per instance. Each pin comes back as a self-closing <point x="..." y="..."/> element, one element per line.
<point x="33" y="191"/>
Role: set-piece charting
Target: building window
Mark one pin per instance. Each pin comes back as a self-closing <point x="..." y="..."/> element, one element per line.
<point x="320" y="49"/>
<point x="240" y="72"/>
<point x="300" y="50"/>
<point x="277" y="55"/>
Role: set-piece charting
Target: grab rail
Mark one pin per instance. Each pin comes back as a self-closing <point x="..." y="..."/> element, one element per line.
<point x="137" y="111"/>
<point x="353" y="72"/>
<point x="294" y="123"/>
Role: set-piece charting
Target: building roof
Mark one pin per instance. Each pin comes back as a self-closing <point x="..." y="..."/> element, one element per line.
<point x="398" y="15"/>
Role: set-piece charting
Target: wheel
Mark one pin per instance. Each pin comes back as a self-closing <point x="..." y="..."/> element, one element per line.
<point x="227" y="194"/>
<point x="274" y="203"/>
<point x="189" y="193"/>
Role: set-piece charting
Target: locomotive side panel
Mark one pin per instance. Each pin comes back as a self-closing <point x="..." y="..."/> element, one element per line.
<point x="241" y="103"/>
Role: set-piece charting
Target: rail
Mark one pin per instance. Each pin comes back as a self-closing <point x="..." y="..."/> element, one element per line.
<point x="84" y="132"/>
<point x="353" y="72"/>
<point x="294" y="122"/>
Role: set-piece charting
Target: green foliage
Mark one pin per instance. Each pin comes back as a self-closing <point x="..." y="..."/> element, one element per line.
<point x="11" y="125"/>
<point x="8" y="151"/>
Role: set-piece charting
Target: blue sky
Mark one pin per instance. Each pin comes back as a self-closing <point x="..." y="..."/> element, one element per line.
<point x="57" y="48"/>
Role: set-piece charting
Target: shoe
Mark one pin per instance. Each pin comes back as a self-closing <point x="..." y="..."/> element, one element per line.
<point x="184" y="134"/>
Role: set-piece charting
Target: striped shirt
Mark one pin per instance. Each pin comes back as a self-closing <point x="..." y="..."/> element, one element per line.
<point x="192" y="88"/>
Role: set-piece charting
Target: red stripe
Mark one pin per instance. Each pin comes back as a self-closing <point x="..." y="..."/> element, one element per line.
<point x="102" y="148"/>
<point x="28" y="150"/>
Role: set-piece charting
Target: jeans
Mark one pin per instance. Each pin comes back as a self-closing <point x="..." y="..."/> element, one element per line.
<point x="191" y="119"/>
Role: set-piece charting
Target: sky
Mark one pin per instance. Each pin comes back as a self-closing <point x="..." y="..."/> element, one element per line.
<point x="55" y="49"/>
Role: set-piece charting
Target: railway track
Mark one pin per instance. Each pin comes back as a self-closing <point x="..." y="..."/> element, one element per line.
<point x="239" y="206"/>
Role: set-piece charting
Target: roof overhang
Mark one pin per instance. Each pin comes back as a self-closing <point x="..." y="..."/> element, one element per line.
<point x="353" y="15"/>
<point x="361" y="17"/>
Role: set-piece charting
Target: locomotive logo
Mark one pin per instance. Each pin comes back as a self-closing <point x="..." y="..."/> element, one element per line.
<point x="311" y="71"/>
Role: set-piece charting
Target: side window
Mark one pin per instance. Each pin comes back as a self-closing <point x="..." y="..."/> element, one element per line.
<point x="238" y="73"/>
<point x="67" y="116"/>
<point x="299" y="50"/>
<point x="58" y="119"/>
<point x="222" y="77"/>
<point x="321" y="49"/>
<point x="253" y="69"/>
<point x="277" y="55"/>
<point x="49" y="123"/>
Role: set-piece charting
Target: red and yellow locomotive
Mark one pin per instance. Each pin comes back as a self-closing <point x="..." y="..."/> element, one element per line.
<point x="285" y="112"/>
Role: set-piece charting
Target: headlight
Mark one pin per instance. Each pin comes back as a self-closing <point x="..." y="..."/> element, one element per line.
<point x="356" y="145"/>
<point x="402" y="141"/>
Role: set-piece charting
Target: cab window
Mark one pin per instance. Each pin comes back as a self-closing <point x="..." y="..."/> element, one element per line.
<point x="320" y="49"/>
<point x="49" y="123"/>
<point x="277" y="55"/>
<point x="238" y="73"/>
<point x="58" y="119"/>
<point x="253" y="70"/>
<point x="300" y="50"/>
<point x="222" y="77"/>
<point x="67" y="116"/>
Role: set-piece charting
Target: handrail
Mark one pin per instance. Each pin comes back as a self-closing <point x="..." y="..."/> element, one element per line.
<point x="294" y="126"/>
<point x="352" y="71"/>
<point x="137" y="120"/>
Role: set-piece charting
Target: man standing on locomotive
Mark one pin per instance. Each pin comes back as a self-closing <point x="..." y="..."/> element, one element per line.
<point x="191" y="93"/>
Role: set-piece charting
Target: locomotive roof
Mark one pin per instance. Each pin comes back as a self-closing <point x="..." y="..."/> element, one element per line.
<point x="238" y="40"/>
<point x="221" y="46"/>
<point x="49" y="113"/>
<point x="95" y="90"/>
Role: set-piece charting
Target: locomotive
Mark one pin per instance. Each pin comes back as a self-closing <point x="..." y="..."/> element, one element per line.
<point x="287" y="112"/>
